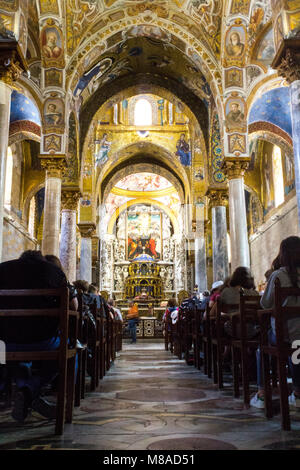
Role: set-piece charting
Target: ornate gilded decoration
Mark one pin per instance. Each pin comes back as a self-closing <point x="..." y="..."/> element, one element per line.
<point x="70" y="199"/>
<point x="48" y="6"/>
<point x="86" y="229"/>
<point x="79" y="14"/>
<point x="216" y="150"/>
<point x="237" y="144"/>
<point x="53" y="116"/>
<point x="12" y="62"/>
<point x="52" y="143"/>
<point x="235" y="167"/>
<point x="240" y="7"/>
<point x="217" y="197"/>
<point x="144" y="277"/>
<point x="52" y="45"/>
<point x="9" y="5"/>
<point x="208" y="14"/>
<point x="236" y="112"/>
<point x="235" y="45"/>
<point x="53" y="165"/>
<point x="287" y="60"/>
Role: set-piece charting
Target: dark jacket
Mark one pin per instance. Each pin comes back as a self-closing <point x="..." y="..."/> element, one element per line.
<point x="24" y="274"/>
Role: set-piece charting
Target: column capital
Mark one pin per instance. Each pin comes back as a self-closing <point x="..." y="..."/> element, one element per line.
<point x="287" y="59"/>
<point x="86" y="229"/>
<point x="217" y="197"/>
<point x="53" y="164"/>
<point x="235" y="167"/>
<point x="12" y="61"/>
<point x="70" y="198"/>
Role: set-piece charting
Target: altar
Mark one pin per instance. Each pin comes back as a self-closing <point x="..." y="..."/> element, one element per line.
<point x="144" y="281"/>
<point x="148" y="327"/>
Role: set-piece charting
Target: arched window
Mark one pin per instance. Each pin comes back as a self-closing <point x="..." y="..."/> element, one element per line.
<point x="278" y="176"/>
<point x="143" y="113"/>
<point x="31" y="217"/>
<point x="8" y="179"/>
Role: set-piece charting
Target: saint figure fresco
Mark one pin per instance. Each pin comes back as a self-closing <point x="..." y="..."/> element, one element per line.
<point x="183" y="151"/>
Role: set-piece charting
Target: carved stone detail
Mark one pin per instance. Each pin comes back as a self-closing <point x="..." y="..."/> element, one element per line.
<point x="86" y="229"/>
<point x="287" y="60"/>
<point x="54" y="166"/>
<point x="217" y="197"/>
<point x="12" y="62"/>
<point x="235" y="167"/>
<point x="69" y="199"/>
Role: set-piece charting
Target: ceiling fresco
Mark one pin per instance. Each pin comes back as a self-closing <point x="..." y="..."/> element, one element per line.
<point x="273" y="107"/>
<point x="206" y="64"/>
<point x="143" y="182"/>
<point x="143" y="55"/>
<point x="23" y="108"/>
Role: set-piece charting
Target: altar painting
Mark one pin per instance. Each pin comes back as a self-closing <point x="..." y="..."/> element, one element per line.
<point x="144" y="235"/>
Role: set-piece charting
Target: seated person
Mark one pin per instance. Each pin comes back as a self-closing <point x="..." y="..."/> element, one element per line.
<point x="289" y="276"/>
<point x="215" y="292"/>
<point x="241" y="278"/>
<point x="93" y="289"/>
<point x="73" y="294"/>
<point x="116" y="311"/>
<point x="230" y="295"/>
<point x="31" y="271"/>
<point x="205" y="298"/>
<point x="171" y="307"/>
<point x="89" y="293"/>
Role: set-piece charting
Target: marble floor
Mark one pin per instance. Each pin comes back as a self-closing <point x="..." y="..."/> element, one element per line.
<point x="151" y="400"/>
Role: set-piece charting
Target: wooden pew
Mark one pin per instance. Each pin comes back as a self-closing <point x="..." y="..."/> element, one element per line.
<point x="81" y="353"/>
<point x="241" y="345"/>
<point x="282" y="351"/>
<point x="218" y="339"/>
<point x="207" y="344"/>
<point x="65" y="355"/>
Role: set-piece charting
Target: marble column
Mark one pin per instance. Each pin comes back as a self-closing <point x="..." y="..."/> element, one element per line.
<point x="218" y="202"/>
<point x="51" y="226"/>
<point x="295" y="113"/>
<point x="240" y="253"/>
<point x="200" y="250"/>
<point x="86" y="231"/>
<point x="67" y="250"/>
<point x="5" y="94"/>
<point x="287" y="63"/>
<point x="12" y="65"/>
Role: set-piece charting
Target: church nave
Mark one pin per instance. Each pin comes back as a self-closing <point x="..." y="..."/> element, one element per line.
<point x="151" y="400"/>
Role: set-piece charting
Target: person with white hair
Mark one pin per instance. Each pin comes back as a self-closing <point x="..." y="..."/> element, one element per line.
<point x="215" y="292"/>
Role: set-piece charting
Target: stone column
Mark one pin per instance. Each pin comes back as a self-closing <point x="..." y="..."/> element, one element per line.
<point x="240" y="254"/>
<point x="12" y="64"/>
<point x="218" y="202"/>
<point x="287" y="62"/>
<point x="67" y="250"/>
<point x="200" y="250"/>
<point x="86" y="231"/>
<point x="51" y="227"/>
<point x="5" y="93"/>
